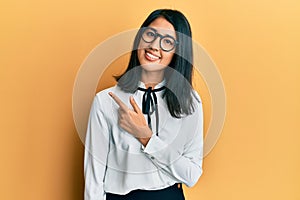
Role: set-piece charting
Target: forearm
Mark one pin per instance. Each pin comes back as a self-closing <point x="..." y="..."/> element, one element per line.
<point x="183" y="165"/>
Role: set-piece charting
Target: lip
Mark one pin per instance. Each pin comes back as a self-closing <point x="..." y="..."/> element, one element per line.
<point x="151" y="56"/>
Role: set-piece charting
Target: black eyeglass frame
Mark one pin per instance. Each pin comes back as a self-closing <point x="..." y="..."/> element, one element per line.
<point x="161" y="37"/>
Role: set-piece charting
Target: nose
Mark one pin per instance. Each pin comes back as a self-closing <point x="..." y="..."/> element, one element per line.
<point x="155" y="44"/>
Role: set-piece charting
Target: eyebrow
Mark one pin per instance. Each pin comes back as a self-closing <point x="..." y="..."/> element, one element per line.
<point x="162" y="34"/>
<point x="170" y="36"/>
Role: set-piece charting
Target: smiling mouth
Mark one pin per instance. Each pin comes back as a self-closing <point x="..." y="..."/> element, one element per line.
<point x="149" y="56"/>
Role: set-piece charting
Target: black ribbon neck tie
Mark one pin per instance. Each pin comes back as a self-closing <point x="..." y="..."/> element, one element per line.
<point x="149" y="104"/>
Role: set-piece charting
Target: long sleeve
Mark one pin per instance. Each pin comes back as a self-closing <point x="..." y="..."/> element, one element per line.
<point x="114" y="162"/>
<point x="184" y="165"/>
<point x="95" y="156"/>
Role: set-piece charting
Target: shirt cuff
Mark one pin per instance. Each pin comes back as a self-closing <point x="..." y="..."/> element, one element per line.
<point x="160" y="151"/>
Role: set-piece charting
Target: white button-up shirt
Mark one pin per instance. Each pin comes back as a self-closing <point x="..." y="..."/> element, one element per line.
<point x="116" y="162"/>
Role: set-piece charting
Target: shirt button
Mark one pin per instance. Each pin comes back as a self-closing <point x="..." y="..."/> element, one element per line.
<point x="152" y="157"/>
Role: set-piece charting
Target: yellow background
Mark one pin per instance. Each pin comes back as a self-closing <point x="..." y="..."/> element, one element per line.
<point x="255" y="45"/>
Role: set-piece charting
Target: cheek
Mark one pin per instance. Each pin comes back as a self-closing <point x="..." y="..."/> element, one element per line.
<point x="141" y="50"/>
<point x="140" y="53"/>
<point x="142" y="45"/>
<point x="168" y="58"/>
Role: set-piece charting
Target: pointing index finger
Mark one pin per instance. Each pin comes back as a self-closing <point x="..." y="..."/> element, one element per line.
<point x="118" y="100"/>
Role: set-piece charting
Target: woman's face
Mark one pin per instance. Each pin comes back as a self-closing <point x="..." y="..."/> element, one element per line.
<point x="151" y="57"/>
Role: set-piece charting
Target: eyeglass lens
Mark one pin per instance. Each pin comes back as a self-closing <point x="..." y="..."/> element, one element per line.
<point x="167" y="43"/>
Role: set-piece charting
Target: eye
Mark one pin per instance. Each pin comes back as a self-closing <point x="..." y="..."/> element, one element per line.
<point x="169" y="41"/>
<point x="150" y="33"/>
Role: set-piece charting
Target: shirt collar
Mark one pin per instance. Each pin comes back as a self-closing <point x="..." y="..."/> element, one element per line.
<point x="160" y="84"/>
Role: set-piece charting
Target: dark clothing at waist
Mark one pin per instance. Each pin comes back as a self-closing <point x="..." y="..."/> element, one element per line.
<point x="173" y="192"/>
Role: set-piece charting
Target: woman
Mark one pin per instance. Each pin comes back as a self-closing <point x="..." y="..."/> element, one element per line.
<point x="145" y="135"/>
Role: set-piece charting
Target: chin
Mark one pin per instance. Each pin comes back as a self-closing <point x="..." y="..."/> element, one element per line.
<point x="153" y="67"/>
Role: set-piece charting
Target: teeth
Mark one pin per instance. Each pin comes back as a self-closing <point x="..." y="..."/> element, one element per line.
<point x="152" y="56"/>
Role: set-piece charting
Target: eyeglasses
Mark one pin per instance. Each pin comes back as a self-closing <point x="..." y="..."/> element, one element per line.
<point x="167" y="43"/>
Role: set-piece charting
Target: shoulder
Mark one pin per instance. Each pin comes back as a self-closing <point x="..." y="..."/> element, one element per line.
<point x="196" y="99"/>
<point x="103" y="98"/>
<point x="196" y="96"/>
<point x="104" y="93"/>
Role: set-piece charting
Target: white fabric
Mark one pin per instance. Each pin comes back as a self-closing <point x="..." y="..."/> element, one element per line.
<point x="116" y="162"/>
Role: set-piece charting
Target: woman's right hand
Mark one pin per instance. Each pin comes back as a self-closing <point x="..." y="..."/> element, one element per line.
<point x="132" y="121"/>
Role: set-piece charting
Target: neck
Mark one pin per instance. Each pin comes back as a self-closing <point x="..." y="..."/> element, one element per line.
<point x="152" y="78"/>
<point x="150" y="85"/>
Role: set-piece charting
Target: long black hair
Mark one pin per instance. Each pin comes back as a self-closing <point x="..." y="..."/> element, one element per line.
<point x="178" y="93"/>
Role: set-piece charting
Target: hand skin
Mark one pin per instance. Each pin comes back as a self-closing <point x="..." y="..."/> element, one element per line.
<point x="133" y="121"/>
